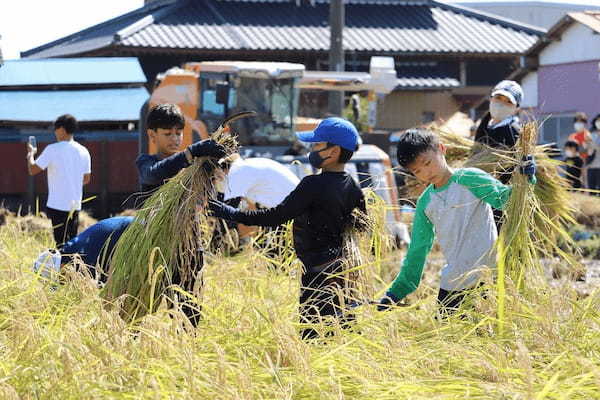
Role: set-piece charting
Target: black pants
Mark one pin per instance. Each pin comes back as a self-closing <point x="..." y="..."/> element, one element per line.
<point x="450" y="300"/>
<point x="189" y="307"/>
<point x="64" y="225"/>
<point x="594" y="179"/>
<point x="323" y="294"/>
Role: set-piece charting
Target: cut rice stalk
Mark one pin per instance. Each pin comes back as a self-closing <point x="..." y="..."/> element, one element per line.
<point x="165" y="237"/>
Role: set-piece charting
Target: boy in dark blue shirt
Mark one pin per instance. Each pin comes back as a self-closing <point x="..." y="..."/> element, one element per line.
<point x="165" y="124"/>
<point x="321" y="207"/>
<point x="94" y="245"/>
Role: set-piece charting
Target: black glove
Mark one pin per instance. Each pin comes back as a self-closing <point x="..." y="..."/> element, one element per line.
<point x="207" y="148"/>
<point x="219" y="209"/>
<point x="387" y="301"/>
<point x="208" y="167"/>
<point x="528" y="167"/>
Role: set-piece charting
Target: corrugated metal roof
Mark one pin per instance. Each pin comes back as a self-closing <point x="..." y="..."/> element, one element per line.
<point x="426" y="81"/>
<point x="86" y="105"/>
<point x="71" y="71"/>
<point x="394" y="28"/>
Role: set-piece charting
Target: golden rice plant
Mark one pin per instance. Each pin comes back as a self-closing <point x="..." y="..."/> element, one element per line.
<point x="63" y="344"/>
<point x="164" y="238"/>
<point x="535" y="221"/>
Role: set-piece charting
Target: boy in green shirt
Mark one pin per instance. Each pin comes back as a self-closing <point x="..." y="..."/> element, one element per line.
<point x="457" y="208"/>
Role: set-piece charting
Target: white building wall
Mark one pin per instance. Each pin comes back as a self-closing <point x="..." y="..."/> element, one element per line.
<point x="578" y="43"/>
<point x="530" y="90"/>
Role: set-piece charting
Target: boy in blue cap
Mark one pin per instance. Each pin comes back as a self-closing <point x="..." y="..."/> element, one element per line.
<point x="321" y="207"/>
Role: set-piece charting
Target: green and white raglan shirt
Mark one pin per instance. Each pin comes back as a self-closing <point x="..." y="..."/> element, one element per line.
<point x="460" y="215"/>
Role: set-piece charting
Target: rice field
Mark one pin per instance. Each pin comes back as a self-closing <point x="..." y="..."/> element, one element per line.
<point x="61" y="343"/>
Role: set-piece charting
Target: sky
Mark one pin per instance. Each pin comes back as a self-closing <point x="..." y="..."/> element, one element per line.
<point x="25" y="24"/>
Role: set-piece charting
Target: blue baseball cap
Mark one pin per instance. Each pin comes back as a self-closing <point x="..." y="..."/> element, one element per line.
<point x="510" y="89"/>
<point x="334" y="130"/>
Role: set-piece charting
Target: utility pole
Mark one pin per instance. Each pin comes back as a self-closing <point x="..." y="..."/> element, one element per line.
<point x="336" y="51"/>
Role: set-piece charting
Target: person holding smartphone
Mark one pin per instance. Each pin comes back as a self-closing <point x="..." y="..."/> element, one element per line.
<point x="69" y="168"/>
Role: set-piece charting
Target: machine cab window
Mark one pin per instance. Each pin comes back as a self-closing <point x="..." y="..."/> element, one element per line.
<point x="217" y="97"/>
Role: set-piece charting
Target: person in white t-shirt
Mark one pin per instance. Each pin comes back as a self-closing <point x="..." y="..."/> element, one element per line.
<point x="69" y="168"/>
<point x="261" y="182"/>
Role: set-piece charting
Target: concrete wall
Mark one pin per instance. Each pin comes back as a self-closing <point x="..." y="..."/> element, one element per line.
<point x="569" y="87"/>
<point x="578" y="43"/>
<point x="530" y="90"/>
<point x="404" y="109"/>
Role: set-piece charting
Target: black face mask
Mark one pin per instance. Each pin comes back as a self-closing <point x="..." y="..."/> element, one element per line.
<point x="315" y="159"/>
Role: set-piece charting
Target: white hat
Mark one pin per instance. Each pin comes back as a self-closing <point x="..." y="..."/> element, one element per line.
<point x="48" y="262"/>
<point x="510" y="89"/>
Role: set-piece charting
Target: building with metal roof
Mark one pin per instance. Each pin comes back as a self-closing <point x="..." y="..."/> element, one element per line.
<point x="104" y="94"/>
<point x="293" y="31"/>
<point x="113" y="71"/>
<point x="453" y="53"/>
<point x="560" y="74"/>
<point x="34" y="92"/>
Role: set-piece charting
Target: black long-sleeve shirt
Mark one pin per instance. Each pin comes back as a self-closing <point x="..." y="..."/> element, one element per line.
<point x="321" y="207"/>
<point x="573" y="167"/>
<point x="504" y="135"/>
<point x="153" y="171"/>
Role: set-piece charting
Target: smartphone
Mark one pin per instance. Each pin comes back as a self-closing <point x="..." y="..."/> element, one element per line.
<point x="33" y="142"/>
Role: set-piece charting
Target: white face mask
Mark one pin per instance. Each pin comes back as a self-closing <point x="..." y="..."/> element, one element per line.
<point x="500" y="111"/>
<point x="569" y="153"/>
<point x="579" y="126"/>
<point x="597" y="123"/>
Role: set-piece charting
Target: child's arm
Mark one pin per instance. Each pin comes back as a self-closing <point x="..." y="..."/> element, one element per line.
<point x="422" y="237"/>
<point x="484" y="186"/>
<point x="154" y="172"/>
<point x="292" y="206"/>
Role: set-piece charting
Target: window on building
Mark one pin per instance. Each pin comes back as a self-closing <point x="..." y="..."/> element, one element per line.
<point x="556" y="128"/>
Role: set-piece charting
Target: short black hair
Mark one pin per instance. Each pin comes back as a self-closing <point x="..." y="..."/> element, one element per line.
<point x="345" y="154"/>
<point x="572" y="143"/>
<point x="165" y="116"/>
<point x="414" y="142"/>
<point x="66" y="121"/>
<point x="580" y="116"/>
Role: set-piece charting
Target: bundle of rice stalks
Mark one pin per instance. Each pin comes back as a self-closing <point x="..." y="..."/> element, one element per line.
<point x="533" y="223"/>
<point x="551" y="189"/>
<point x="537" y="216"/>
<point x="165" y="238"/>
<point x="368" y="235"/>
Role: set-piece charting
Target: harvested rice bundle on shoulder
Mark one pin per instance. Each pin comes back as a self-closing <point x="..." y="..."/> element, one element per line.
<point x="162" y="248"/>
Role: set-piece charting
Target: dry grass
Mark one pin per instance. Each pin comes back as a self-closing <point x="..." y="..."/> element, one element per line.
<point x="63" y="344"/>
<point x="587" y="210"/>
